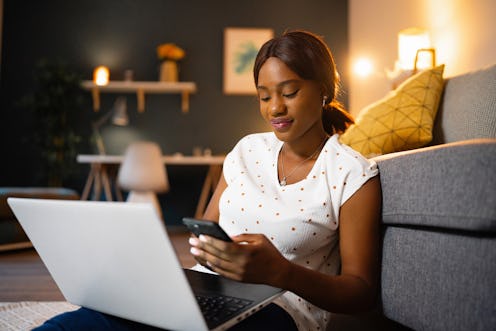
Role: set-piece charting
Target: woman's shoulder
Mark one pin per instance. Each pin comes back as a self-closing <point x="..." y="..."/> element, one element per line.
<point x="260" y="136"/>
<point x="346" y="152"/>
<point x="258" y="141"/>
<point x="252" y="148"/>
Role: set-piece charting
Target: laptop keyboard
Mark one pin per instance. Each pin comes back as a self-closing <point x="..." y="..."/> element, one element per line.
<point x="218" y="308"/>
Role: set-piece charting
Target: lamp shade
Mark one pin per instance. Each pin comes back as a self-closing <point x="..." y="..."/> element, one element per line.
<point x="120" y="116"/>
<point x="142" y="169"/>
<point x="409" y="42"/>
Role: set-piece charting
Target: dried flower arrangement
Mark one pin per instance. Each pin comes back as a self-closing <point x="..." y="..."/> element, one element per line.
<point x="170" y="51"/>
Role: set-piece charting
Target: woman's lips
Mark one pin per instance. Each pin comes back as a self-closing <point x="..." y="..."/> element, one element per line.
<point x="281" y="124"/>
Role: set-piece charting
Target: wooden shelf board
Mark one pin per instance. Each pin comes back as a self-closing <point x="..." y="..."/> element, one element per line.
<point x="146" y="86"/>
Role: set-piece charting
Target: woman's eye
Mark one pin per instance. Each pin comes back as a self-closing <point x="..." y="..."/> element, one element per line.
<point x="290" y="95"/>
<point x="264" y="98"/>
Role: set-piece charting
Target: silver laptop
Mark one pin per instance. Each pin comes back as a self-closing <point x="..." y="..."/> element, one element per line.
<point x="116" y="258"/>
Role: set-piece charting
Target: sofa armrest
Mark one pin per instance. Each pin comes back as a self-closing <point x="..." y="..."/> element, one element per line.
<point x="449" y="186"/>
<point x="438" y="245"/>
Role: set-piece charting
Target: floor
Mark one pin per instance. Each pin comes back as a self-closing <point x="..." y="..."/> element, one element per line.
<point x="23" y="276"/>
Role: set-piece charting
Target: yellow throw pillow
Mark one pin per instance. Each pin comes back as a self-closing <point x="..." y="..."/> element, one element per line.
<point x="402" y="120"/>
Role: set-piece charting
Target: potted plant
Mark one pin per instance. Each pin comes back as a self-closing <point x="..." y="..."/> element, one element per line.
<point x="56" y="104"/>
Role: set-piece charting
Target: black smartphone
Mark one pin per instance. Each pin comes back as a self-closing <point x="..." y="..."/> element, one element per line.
<point x="209" y="228"/>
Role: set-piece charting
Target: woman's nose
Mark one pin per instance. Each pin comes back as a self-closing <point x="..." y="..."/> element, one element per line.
<point x="276" y="106"/>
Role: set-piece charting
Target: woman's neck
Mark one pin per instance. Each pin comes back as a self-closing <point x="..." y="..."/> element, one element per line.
<point x="305" y="146"/>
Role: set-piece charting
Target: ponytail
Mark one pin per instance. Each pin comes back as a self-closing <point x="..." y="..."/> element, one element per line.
<point x="335" y="118"/>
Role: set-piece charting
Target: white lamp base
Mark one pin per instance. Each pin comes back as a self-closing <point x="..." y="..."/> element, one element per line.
<point x="148" y="197"/>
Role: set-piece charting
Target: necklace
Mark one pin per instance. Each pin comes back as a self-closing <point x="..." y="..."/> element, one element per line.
<point x="283" y="181"/>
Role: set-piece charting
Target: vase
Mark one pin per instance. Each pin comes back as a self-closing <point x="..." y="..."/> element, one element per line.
<point x="168" y="71"/>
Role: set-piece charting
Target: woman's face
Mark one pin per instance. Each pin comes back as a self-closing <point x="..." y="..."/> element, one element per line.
<point x="290" y="104"/>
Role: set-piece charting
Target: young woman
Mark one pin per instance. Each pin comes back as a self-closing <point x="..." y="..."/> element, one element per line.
<point x="302" y="209"/>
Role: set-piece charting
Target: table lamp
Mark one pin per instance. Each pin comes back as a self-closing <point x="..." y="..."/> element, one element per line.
<point x="118" y="115"/>
<point x="414" y="53"/>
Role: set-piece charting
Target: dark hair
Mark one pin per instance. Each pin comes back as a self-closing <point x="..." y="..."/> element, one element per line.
<point x="309" y="57"/>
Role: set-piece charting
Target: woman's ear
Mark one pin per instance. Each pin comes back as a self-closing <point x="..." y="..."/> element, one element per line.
<point x="324" y="95"/>
<point x="324" y="92"/>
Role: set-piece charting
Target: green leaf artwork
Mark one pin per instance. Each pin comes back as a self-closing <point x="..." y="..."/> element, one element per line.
<point x="244" y="58"/>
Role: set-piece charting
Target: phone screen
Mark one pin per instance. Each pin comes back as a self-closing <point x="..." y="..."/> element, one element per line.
<point x="209" y="228"/>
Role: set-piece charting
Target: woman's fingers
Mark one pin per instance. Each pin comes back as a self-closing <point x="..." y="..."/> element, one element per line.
<point x="203" y="248"/>
<point x="214" y="246"/>
<point x="215" y="262"/>
<point x="226" y="258"/>
<point x="246" y="259"/>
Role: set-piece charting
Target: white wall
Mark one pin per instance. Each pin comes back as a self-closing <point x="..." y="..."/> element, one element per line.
<point x="462" y="31"/>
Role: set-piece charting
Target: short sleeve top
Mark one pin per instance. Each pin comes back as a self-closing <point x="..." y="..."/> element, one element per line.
<point x="300" y="219"/>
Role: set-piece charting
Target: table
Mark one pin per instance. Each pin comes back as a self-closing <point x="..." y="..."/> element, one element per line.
<point x="98" y="176"/>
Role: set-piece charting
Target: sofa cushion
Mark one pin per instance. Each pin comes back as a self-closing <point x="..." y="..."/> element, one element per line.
<point x="12" y="235"/>
<point x="449" y="186"/>
<point x="431" y="280"/>
<point x="468" y="107"/>
<point x="32" y="192"/>
<point x="401" y="120"/>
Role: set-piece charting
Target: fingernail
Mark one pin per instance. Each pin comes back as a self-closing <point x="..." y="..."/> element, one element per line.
<point x="194" y="251"/>
<point x="203" y="238"/>
<point x="193" y="241"/>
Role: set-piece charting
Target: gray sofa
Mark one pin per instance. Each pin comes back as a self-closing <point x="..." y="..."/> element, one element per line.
<point x="438" y="268"/>
<point x="12" y="235"/>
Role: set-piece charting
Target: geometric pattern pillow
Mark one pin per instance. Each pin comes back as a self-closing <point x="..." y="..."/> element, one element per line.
<point x="402" y="120"/>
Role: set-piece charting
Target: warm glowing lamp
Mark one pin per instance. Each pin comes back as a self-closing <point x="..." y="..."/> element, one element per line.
<point x="411" y="43"/>
<point x="414" y="53"/>
<point x="101" y="75"/>
<point x="363" y="67"/>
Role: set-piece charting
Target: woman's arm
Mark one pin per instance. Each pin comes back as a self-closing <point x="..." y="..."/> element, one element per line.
<point x="212" y="211"/>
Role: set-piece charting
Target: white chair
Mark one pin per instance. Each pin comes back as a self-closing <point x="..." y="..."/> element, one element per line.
<point x="143" y="173"/>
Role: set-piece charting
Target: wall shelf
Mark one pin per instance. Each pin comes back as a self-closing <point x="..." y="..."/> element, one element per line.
<point x="141" y="88"/>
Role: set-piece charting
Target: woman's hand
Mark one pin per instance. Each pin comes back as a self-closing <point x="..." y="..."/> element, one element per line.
<point x="249" y="258"/>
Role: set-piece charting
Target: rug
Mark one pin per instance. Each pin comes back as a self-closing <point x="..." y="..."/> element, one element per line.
<point x="25" y="315"/>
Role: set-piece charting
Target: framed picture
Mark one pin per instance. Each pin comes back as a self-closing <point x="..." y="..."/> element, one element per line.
<point x="241" y="46"/>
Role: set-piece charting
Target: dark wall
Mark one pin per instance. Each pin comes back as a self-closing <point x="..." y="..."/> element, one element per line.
<point x="123" y="34"/>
